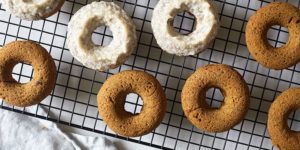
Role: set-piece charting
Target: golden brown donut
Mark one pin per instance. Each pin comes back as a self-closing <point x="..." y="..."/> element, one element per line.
<point x="276" y="13"/>
<point x="233" y="88"/>
<point x="111" y="101"/>
<point x="281" y="135"/>
<point x="44" y="75"/>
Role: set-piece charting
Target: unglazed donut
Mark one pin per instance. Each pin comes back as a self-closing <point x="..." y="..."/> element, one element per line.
<point x="276" y="13"/>
<point x="281" y="135"/>
<point x="44" y="75"/>
<point x="86" y="20"/>
<point x="111" y="101"/>
<point x="175" y="43"/>
<point x="235" y="92"/>
<point x="32" y="9"/>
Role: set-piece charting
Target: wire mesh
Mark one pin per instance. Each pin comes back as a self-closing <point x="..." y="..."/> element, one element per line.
<point x="73" y="100"/>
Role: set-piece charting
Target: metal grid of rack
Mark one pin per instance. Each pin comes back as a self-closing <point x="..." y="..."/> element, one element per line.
<point x="73" y="101"/>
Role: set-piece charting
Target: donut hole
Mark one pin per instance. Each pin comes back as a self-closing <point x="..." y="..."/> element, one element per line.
<point x="293" y="120"/>
<point x="22" y="73"/>
<point x="214" y="97"/>
<point x="183" y="23"/>
<point x="133" y="103"/>
<point x="102" y="36"/>
<point x="277" y="36"/>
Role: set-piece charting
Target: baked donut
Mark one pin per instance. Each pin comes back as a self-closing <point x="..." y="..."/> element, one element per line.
<point x="275" y="13"/>
<point x="32" y="9"/>
<point x="86" y="20"/>
<point x="281" y="135"/>
<point x="44" y="75"/>
<point x="235" y="92"/>
<point x="111" y="101"/>
<point x="169" y="40"/>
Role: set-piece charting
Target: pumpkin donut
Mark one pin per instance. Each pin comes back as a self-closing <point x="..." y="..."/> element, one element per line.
<point x="111" y="100"/>
<point x="169" y="40"/>
<point x="281" y="135"/>
<point x="44" y="75"/>
<point x="32" y="9"/>
<point x="86" y="20"/>
<point x="276" y="13"/>
<point x="235" y="92"/>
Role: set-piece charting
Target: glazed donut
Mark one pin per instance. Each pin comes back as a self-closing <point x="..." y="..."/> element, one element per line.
<point x="276" y="13"/>
<point x="111" y="100"/>
<point x="32" y="9"/>
<point x="233" y="88"/>
<point x="86" y="20"/>
<point x="182" y="45"/>
<point x="281" y="135"/>
<point x="44" y="76"/>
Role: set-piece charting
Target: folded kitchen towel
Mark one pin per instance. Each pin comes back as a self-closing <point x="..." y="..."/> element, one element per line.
<point x="21" y="132"/>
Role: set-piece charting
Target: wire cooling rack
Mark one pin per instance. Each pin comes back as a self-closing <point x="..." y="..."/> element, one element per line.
<point x="73" y="101"/>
